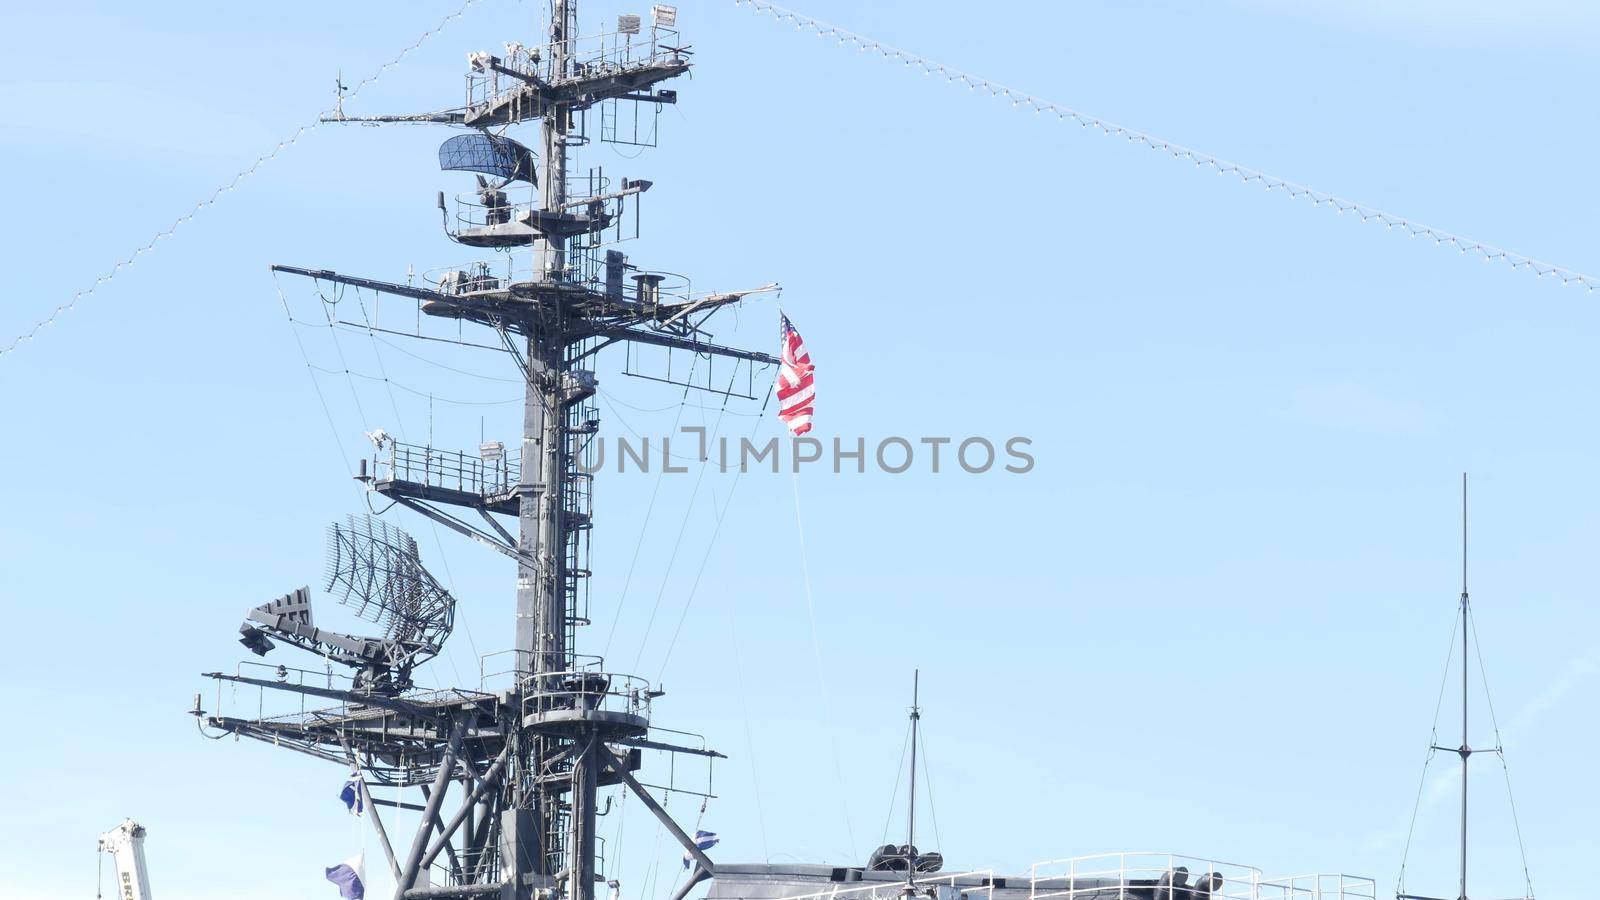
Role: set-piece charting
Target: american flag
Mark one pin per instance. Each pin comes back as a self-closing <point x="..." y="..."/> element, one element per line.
<point x="796" y="392"/>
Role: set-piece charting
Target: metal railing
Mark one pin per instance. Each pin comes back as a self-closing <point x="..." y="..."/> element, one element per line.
<point x="1319" y="887"/>
<point x="472" y="213"/>
<point x="586" y="689"/>
<point x="943" y="885"/>
<point x="456" y="470"/>
<point x="590" y="55"/>
<point x="1114" y="876"/>
<point x="292" y="704"/>
<point x="267" y="704"/>
<point x="1169" y="876"/>
<point x="584" y="267"/>
<point x="1161" y="876"/>
<point x="478" y="275"/>
<point x="499" y="670"/>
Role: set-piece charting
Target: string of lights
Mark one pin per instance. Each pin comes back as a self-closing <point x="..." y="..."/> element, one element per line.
<point x="1246" y="175"/>
<point x="71" y="302"/>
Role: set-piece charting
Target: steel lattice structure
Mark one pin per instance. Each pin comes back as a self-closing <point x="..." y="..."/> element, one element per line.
<point x="523" y="765"/>
<point x="374" y="568"/>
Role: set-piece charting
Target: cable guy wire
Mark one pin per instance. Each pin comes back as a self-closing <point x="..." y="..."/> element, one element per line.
<point x="1246" y="175"/>
<point x="296" y="135"/>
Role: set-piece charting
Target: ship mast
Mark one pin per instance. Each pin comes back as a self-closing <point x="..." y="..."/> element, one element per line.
<point x="911" y="803"/>
<point x="528" y="761"/>
<point x="1465" y="751"/>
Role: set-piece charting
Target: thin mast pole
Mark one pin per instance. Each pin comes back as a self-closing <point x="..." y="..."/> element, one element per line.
<point x="911" y="807"/>
<point x="1465" y="750"/>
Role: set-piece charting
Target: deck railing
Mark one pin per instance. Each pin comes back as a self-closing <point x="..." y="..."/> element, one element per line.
<point x="943" y="885"/>
<point x="455" y="470"/>
<point x="591" y="55"/>
<point x="588" y="690"/>
<point x="1319" y="887"/>
<point x="1170" y="876"/>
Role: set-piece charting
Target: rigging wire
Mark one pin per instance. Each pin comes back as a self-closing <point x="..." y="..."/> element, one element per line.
<point x="327" y="310"/>
<point x="378" y="355"/>
<point x="1433" y="740"/>
<point x="685" y="404"/>
<point x="816" y="652"/>
<point x="294" y="326"/>
<point x="71" y="303"/>
<point x="334" y="324"/>
<point x="694" y="587"/>
<point x="927" y="782"/>
<point x="394" y="406"/>
<point x="1294" y="190"/>
<point x="1499" y="751"/>
<point x="644" y="440"/>
<point x="894" y="795"/>
<point x="658" y="409"/>
<point x="738" y="657"/>
<point x="622" y="819"/>
<point x="652" y="880"/>
<point x="649" y="510"/>
<point x="433" y="362"/>
<point x="411" y="390"/>
<point x="734" y="635"/>
<point x="672" y="557"/>
<point x="316" y="385"/>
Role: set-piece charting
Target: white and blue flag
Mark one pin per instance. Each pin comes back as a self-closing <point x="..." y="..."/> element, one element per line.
<point x="352" y="795"/>
<point x="705" y="840"/>
<point x="348" y="876"/>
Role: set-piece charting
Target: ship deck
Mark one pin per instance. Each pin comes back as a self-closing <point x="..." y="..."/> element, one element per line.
<point x="1112" y="876"/>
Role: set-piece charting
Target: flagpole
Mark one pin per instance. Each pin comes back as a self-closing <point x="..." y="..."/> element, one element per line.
<point x="361" y="789"/>
<point x="791" y="356"/>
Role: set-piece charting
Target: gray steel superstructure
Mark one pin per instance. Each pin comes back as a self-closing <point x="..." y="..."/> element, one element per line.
<point x="507" y="777"/>
<point x="522" y="765"/>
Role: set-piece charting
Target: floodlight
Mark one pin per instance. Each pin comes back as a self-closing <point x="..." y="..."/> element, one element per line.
<point x="255" y="640"/>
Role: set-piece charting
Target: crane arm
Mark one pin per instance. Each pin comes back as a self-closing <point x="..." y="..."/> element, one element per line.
<point x="125" y="843"/>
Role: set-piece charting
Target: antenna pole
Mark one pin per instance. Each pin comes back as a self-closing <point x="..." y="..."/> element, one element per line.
<point x="911" y="806"/>
<point x="1465" y="750"/>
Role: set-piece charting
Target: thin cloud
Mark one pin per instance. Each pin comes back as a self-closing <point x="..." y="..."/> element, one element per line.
<point x="1557" y="16"/>
<point x="1442" y="781"/>
<point x="1350" y="406"/>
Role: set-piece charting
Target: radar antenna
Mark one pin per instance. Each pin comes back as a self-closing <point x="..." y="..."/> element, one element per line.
<point x="373" y="567"/>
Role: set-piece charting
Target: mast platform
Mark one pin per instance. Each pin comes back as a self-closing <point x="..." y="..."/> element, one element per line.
<point x="617" y="706"/>
<point x="404" y="740"/>
<point x="511" y="90"/>
<point x="401" y="740"/>
<point x="486" y="482"/>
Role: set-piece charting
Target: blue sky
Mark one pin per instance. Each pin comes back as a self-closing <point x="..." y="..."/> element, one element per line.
<point x="1212" y="619"/>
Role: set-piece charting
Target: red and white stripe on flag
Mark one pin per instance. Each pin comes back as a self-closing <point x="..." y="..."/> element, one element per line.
<point x="796" y="390"/>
